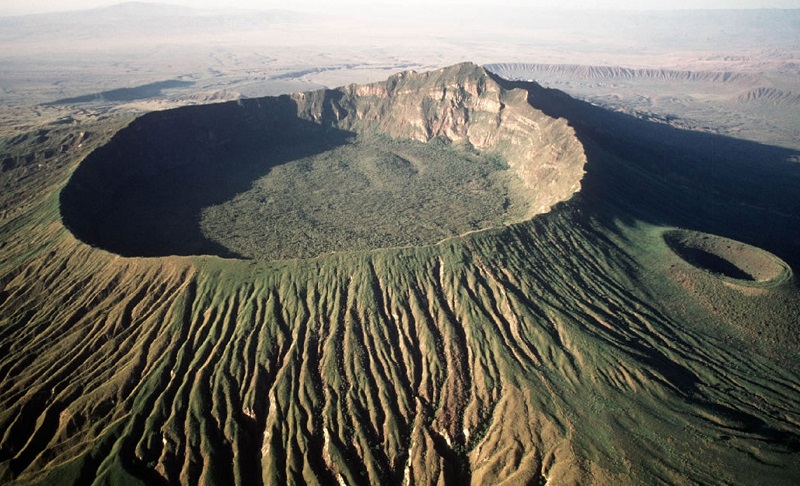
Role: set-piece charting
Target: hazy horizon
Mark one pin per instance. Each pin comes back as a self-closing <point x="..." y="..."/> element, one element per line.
<point x="24" y="7"/>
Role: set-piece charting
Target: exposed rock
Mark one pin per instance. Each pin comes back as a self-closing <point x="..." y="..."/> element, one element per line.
<point x="461" y="104"/>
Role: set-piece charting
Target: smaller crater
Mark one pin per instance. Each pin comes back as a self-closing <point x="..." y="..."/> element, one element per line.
<point x="726" y="258"/>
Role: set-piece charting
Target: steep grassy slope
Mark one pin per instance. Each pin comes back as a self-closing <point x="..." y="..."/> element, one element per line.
<point x="574" y="347"/>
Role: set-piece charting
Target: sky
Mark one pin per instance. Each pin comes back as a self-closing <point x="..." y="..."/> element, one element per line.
<point x="18" y="7"/>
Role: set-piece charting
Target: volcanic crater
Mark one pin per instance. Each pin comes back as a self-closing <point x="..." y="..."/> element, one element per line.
<point x="727" y="258"/>
<point x="410" y="161"/>
<point x="562" y="350"/>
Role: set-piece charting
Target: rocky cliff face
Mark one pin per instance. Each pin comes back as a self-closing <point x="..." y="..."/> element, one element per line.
<point x="461" y="104"/>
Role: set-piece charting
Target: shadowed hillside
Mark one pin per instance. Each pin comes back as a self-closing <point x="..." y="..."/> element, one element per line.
<point x="671" y="177"/>
<point x="581" y="345"/>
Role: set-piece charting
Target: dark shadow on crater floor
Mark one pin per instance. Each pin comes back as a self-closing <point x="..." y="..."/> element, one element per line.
<point x="709" y="261"/>
<point x="142" y="194"/>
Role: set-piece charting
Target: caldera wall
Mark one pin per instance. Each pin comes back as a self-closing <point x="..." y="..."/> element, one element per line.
<point x="143" y="194"/>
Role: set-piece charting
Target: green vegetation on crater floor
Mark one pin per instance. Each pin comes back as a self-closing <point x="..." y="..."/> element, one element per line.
<point x="370" y="193"/>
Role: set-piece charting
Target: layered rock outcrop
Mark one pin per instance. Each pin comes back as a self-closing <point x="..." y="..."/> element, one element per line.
<point x="461" y="104"/>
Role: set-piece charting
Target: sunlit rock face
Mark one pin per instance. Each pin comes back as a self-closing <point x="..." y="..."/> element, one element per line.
<point x="461" y="104"/>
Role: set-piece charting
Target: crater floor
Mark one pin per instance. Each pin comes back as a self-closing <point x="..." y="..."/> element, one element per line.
<point x="370" y="193"/>
<point x="727" y="258"/>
